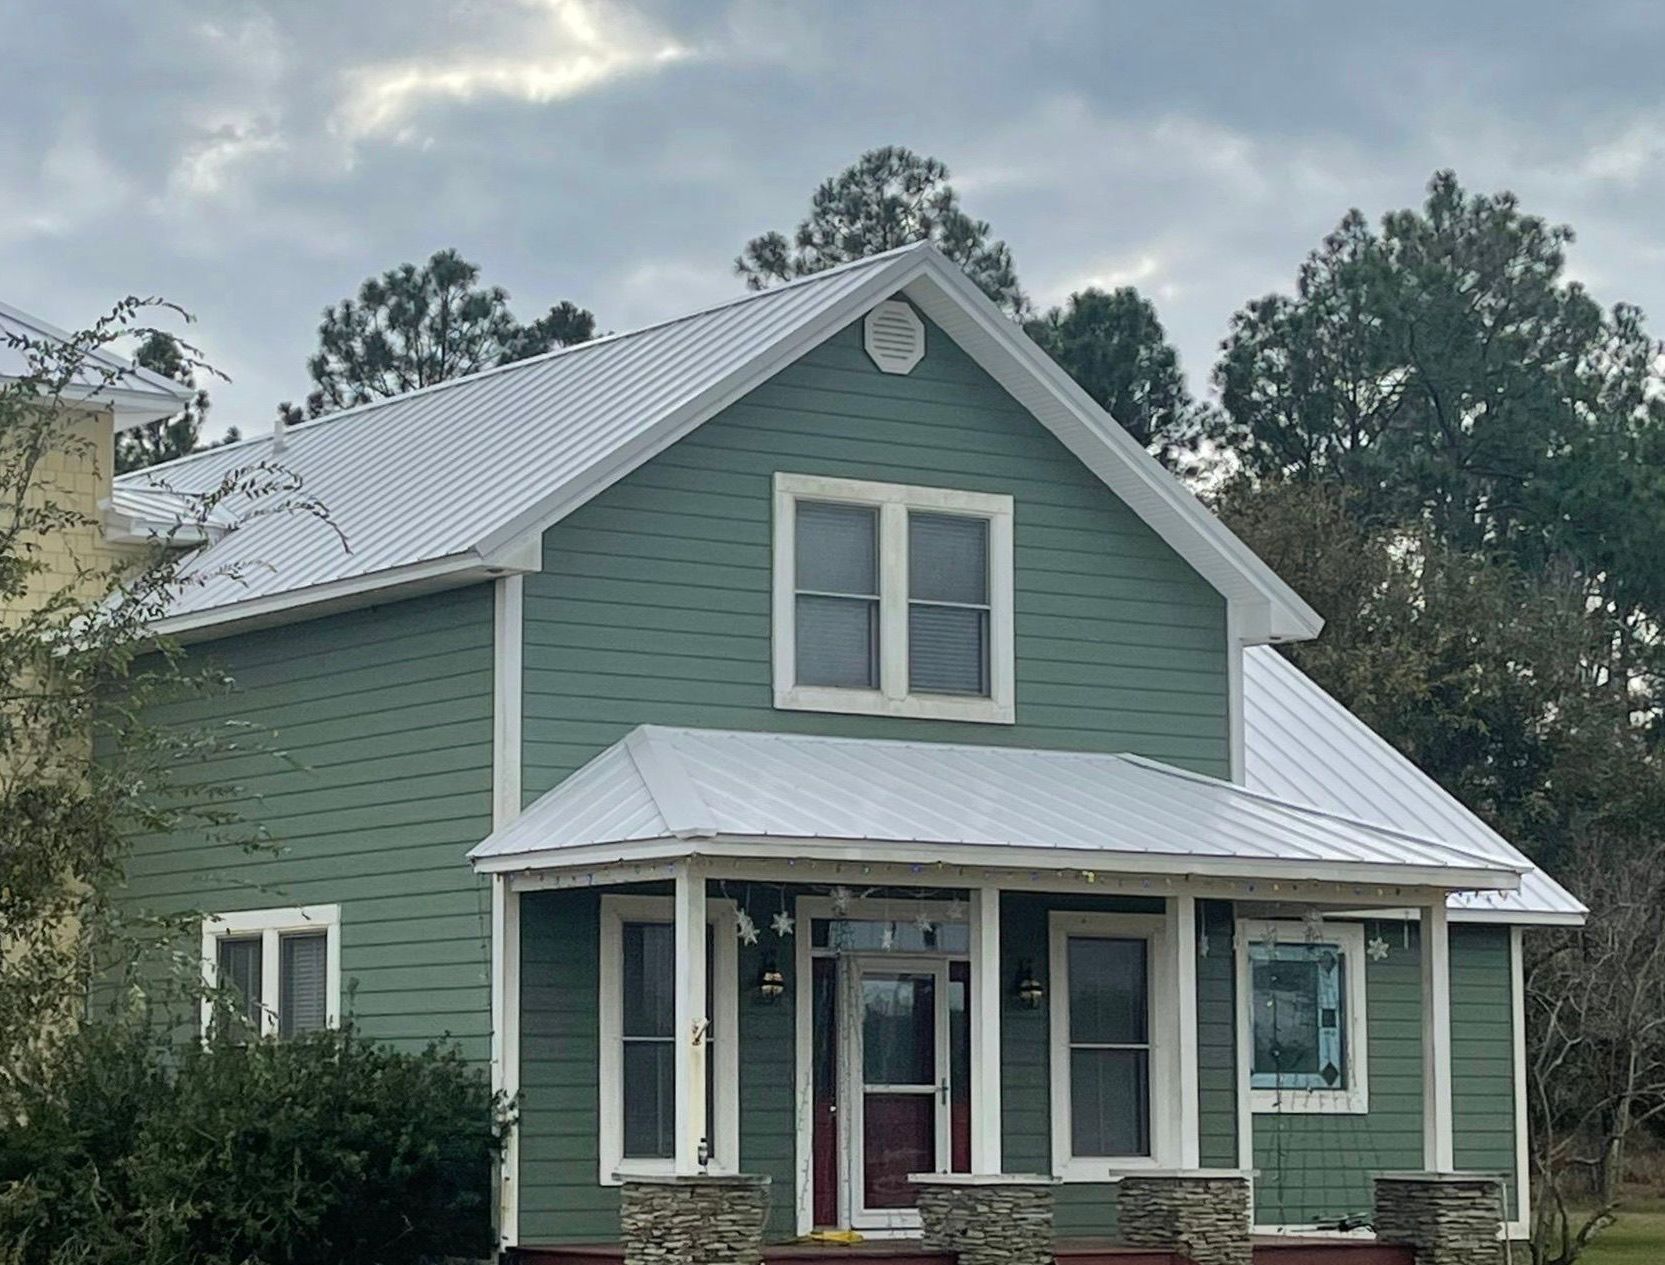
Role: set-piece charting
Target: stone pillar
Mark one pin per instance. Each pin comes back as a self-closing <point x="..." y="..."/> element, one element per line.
<point x="987" y="1218"/>
<point x="1202" y="1213"/>
<point x="698" y="1220"/>
<point x="1448" y="1218"/>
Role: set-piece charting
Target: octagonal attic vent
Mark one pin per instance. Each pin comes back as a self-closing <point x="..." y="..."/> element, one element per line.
<point x="895" y="336"/>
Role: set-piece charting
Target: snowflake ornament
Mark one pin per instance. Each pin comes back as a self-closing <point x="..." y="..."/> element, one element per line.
<point x="782" y="924"/>
<point x="887" y="937"/>
<point x="924" y="924"/>
<point x="1377" y="949"/>
<point x="745" y="928"/>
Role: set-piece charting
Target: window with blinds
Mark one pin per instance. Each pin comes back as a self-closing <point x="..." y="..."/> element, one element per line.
<point x="275" y="968"/>
<point x="893" y="600"/>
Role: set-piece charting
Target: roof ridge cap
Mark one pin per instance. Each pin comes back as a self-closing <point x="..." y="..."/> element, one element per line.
<point x="674" y="792"/>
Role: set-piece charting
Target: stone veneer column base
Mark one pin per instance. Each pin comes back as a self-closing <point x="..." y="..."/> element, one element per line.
<point x="1448" y="1218"/>
<point x="987" y="1219"/>
<point x="1203" y="1213"/>
<point x="703" y="1220"/>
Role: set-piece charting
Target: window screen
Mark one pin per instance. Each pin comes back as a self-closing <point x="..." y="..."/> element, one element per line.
<point x="1109" y="1039"/>
<point x="837" y="618"/>
<point x="303" y="967"/>
<point x="948" y="604"/>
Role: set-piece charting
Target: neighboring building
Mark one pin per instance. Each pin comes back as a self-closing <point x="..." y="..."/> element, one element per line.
<point x="111" y="394"/>
<point x="838" y="621"/>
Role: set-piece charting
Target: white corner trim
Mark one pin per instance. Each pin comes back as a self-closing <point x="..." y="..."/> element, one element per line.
<point x="1354" y="1100"/>
<point x="1520" y="1226"/>
<point x="721" y="916"/>
<point x="271" y="925"/>
<point x="985" y="1002"/>
<point x="893" y="501"/>
<point x="508" y="674"/>
<point x="1236" y="759"/>
<point x="1182" y="943"/>
<point x="1438" y="1136"/>
<point x="1165" y="1059"/>
<point x="508" y="632"/>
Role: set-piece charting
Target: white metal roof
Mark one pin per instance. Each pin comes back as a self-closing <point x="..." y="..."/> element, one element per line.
<point x="134" y="394"/>
<point x="687" y="790"/>
<point x="454" y="481"/>
<point x="1302" y="745"/>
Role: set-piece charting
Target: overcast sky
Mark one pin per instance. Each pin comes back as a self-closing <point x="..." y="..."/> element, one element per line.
<point x="255" y="161"/>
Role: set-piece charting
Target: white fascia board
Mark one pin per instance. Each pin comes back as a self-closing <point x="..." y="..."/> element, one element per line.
<point x="1195" y="533"/>
<point x="1430" y="878"/>
<point x="338" y="595"/>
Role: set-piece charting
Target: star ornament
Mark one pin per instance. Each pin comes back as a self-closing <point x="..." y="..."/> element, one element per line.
<point x="841" y="897"/>
<point x="745" y="928"/>
<point x="781" y="924"/>
<point x="924" y="924"/>
<point x="1377" y="949"/>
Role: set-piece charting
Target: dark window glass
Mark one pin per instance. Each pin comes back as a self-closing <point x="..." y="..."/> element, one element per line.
<point x="303" y="965"/>
<point x="1109" y="1101"/>
<point x="239" y="972"/>
<point x="1109" y="1033"/>
<point x="1108" y="992"/>
<point x="948" y="604"/>
<point x="837" y="603"/>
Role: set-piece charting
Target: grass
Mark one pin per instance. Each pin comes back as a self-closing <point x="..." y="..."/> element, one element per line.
<point x="1637" y="1238"/>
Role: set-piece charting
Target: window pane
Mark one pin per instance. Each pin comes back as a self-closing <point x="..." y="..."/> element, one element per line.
<point x="948" y="558"/>
<point x="1109" y="1002"/>
<point x="837" y="549"/>
<point x="239" y="965"/>
<point x="838" y="642"/>
<point x="899" y="1030"/>
<point x="1110" y="1102"/>
<point x="302" y="974"/>
<point x="649" y="980"/>
<point x="948" y="650"/>
<point x="1299" y="1007"/>
<point x="649" y="1098"/>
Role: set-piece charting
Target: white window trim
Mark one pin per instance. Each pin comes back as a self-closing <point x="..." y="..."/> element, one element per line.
<point x="271" y="925"/>
<point x="893" y="501"/>
<point x="721" y="916"/>
<point x="1354" y="1100"/>
<point x="1165" y="1122"/>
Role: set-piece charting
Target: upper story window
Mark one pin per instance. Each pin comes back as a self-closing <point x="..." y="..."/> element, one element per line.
<point x="281" y="967"/>
<point x="892" y="600"/>
<point x="1304" y="988"/>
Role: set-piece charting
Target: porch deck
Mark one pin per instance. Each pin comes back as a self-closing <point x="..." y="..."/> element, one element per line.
<point x="1269" y="1250"/>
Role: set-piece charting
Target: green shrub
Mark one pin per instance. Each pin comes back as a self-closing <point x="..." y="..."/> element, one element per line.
<point x="324" y="1150"/>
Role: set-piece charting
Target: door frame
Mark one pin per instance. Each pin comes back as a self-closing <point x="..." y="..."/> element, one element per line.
<point x="853" y="1087"/>
<point x="806" y="908"/>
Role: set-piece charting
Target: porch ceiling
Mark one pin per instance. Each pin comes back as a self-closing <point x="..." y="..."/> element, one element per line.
<point x="694" y="788"/>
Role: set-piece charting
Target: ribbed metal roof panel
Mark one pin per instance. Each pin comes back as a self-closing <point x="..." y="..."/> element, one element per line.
<point x="430" y="474"/>
<point x="799" y="787"/>
<point x="1302" y="745"/>
<point x="103" y="368"/>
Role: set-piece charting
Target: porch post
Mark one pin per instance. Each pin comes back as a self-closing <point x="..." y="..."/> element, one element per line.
<point x="1438" y="1154"/>
<point x="985" y="1030"/>
<point x="692" y="1147"/>
<point x="1182" y="914"/>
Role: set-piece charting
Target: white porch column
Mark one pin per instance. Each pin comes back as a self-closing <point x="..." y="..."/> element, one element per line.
<point x="692" y="1022"/>
<point x="1438" y="1155"/>
<point x="1182" y="937"/>
<point x="985" y="1030"/>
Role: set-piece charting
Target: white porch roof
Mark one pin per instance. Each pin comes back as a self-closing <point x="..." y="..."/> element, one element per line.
<point x="1302" y="745"/>
<point x="665" y="792"/>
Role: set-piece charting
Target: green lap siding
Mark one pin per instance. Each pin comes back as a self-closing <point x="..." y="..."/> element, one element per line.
<point x="1482" y="1053"/>
<point x="372" y="781"/>
<point x="1317" y="1167"/>
<point x="653" y="606"/>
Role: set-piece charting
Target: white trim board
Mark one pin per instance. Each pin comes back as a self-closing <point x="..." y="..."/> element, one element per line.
<point x="271" y="925"/>
<point x="721" y="916"/>
<point x="892" y="503"/>
<point x="1348" y="937"/>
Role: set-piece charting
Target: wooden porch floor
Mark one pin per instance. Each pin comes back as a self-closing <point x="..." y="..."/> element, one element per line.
<point x="1268" y="1251"/>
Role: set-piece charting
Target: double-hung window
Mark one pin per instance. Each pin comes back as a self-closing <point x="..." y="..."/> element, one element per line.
<point x="1112" y="1044"/>
<point x="638" y="1037"/>
<point x="892" y="600"/>
<point x="279" y="970"/>
<point x="1303" y="990"/>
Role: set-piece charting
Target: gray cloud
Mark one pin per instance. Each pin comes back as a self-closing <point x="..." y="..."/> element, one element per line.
<point x="255" y="161"/>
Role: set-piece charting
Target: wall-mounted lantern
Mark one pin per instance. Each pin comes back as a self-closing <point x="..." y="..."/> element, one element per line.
<point x="771" y="984"/>
<point x="1029" y="990"/>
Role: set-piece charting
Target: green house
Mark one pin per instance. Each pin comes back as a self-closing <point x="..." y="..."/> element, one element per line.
<point x="809" y="738"/>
